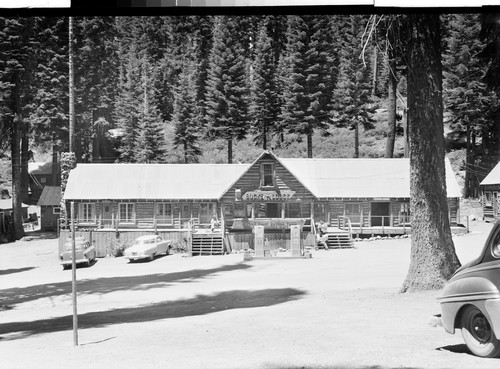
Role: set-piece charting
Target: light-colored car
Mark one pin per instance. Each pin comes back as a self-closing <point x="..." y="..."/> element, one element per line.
<point x="147" y="247"/>
<point x="471" y="300"/>
<point x="85" y="253"/>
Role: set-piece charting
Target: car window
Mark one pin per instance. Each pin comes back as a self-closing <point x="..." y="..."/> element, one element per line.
<point x="495" y="248"/>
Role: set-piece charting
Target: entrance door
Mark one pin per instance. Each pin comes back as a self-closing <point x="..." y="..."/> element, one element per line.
<point x="381" y="214"/>
<point x="107" y="217"/>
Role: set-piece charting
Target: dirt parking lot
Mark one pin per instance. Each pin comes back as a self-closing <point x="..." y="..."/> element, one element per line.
<point x="340" y="309"/>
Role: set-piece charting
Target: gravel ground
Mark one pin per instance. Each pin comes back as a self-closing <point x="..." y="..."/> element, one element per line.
<point x="339" y="309"/>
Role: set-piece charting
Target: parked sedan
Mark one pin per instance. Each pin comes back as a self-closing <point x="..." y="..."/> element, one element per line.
<point x="85" y="253"/>
<point x="147" y="247"/>
<point x="471" y="300"/>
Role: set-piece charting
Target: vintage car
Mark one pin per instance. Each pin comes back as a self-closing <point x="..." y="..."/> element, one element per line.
<point x="84" y="251"/>
<point x="470" y="301"/>
<point x="147" y="247"/>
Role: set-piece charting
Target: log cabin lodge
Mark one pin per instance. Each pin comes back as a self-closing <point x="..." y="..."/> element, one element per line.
<point x="490" y="195"/>
<point x="357" y="197"/>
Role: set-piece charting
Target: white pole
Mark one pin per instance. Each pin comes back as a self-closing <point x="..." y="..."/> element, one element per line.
<point x="73" y="259"/>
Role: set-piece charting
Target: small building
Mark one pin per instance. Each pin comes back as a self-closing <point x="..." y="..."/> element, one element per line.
<point x="490" y="194"/>
<point x="6" y="217"/>
<point x="50" y="208"/>
<point x="43" y="174"/>
<point x="363" y="196"/>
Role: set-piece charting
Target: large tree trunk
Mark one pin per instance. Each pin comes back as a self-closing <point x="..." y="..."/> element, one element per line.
<point x="230" y="151"/>
<point x="433" y="258"/>
<point x="309" y="145"/>
<point x="468" y="163"/>
<point x="17" y="217"/>
<point x="356" y="140"/>
<point x="71" y="89"/>
<point x="24" y="162"/>
<point x="391" y="109"/>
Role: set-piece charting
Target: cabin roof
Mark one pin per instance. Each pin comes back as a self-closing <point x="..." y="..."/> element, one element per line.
<point x="51" y="196"/>
<point x="325" y="178"/>
<point x="151" y="181"/>
<point x="362" y="177"/>
<point x="493" y="177"/>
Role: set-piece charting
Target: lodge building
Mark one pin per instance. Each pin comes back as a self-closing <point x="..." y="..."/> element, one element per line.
<point x="490" y="195"/>
<point x="178" y="201"/>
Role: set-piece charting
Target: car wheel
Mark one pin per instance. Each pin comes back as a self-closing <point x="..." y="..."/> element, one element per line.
<point x="477" y="333"/>
<point x="151" y="257"/>
<point x="168" y="250"/>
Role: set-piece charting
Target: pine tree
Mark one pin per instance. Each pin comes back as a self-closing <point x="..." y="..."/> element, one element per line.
<point x="433" y="258"/>
<point x="18" y="61"/>
<point x="467" y="97"/>
<point x="353" y="105"/>
<point x="227" y="91"/>
<point x="150" y="140"/>
<point x="96" y="81"/>
<point x="308" y="77"/>
<point x="264" y="106"/>
<point x="185" y="117"/>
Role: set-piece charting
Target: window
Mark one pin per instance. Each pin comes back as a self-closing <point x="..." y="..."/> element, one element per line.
<point x="404" y="213"/>
<point x="267" y="174"/>
<point x="126" y="213"/>
<point x="207" y="210"/>
<point x="239" y="211"/>
<point x="487" y="198"/>
<point x="267" y="210"/>
<point x="293" y="210"/>
<point x="43" y="180"/>
<point x="56" y="210"/>
<point x="86" y="212"/>
<point x="164" y="213"/>
<point x="353" y="212"/>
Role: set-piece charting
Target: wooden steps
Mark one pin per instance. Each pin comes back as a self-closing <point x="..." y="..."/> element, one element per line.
<point x="207" y="243"/>
<point x="339" y="240"/>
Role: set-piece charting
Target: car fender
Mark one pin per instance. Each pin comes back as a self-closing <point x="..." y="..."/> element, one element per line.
<point x="477" y="291"/>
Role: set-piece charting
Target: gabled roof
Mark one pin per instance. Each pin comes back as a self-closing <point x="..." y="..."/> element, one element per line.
<point x="358" y="178"/>
<point x="493" y="177"/>
<point x="151" y="181"/>
<point x="264" y="154"/>
<point x="324" y="178"/>
<point x="51" y="196"/>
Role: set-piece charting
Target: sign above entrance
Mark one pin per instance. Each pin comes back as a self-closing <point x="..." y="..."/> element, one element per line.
<point x="268" y="195"/>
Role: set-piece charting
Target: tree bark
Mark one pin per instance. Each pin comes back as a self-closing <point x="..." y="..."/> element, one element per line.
<point x="356" y="140"/>
<point x="391" y="109"/>
<point x="309" y="145"/>
<point x="433" y="258"/>
<point x="71" y="90"/>
<point x="467" y="184"/>
<point x="230" y="151"/>
<point x="17" y="216"/>
<point x="24" y="161"/>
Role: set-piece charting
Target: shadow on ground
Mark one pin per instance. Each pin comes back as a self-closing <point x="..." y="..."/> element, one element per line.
<point x="19" y="295"/>
<point x="39" y="235"/>
<point x="199" y="305"/>
<point x="18" y="270"/>
<point x="457" y="349"/>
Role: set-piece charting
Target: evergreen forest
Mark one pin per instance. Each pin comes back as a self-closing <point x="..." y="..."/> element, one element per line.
<point x="221" y="88"/>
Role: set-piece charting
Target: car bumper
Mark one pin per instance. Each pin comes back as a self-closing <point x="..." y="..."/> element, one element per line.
<point x="78" y="261"/>
<point x="137" y="257"/>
